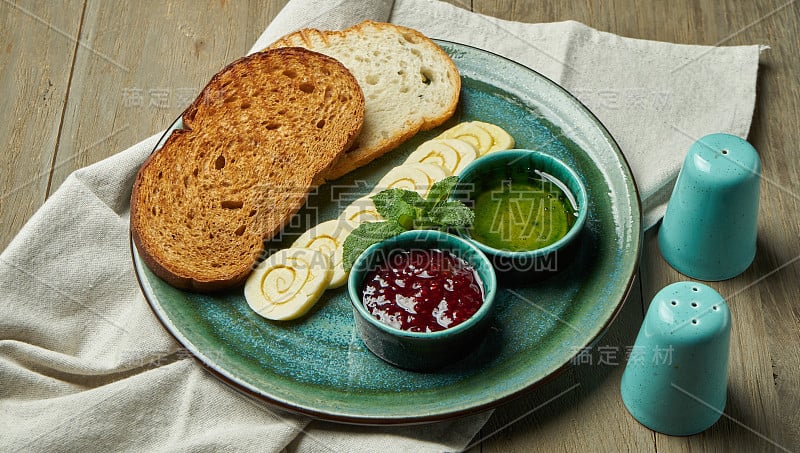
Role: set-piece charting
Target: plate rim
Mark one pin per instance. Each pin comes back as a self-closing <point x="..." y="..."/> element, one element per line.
<point x="368" y="420"/>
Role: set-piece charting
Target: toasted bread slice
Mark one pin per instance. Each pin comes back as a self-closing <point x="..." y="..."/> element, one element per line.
<point x="253" y="143"/>
<point x="410" y="83"/>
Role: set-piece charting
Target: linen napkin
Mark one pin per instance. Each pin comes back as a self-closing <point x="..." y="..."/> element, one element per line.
<point x="84" y="364"/>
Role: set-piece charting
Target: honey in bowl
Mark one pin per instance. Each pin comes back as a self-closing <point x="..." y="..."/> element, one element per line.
<point x="523" y="214"/>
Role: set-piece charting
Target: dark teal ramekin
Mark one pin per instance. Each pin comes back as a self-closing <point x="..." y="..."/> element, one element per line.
<point x="422" y="351"/>
<point x="514" y="165"/>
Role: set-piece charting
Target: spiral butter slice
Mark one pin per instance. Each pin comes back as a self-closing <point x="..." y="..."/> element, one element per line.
<point x="328" y="238"/>
<point x="449" y="153"/>
<point x="288" y="283"/>
<point x="417" y="177"/>
<point x="360" y="211"/>
<point x="485" y="137"/>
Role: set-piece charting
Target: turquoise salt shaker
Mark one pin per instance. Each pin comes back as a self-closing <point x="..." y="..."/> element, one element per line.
<point x="675" y="379"/>
<point x="709" y="228"/>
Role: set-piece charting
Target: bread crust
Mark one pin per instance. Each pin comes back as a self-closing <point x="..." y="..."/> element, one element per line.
<point x="324" y="40"/>
<point x="171" y="204"/>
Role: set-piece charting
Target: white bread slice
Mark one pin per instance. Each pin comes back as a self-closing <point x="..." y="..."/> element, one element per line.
<point x="409" y="83"/>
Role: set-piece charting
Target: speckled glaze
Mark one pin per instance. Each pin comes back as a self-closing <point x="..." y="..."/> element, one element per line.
<point x="422" y="350"/>
<point x="489" y="171"/>
<point x="710" y="227"/>
<point x="677" y="381"/>
<point x="319" y="366"/>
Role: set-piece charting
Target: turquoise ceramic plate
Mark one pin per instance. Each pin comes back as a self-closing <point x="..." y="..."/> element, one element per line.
<point x="318" y="366"/>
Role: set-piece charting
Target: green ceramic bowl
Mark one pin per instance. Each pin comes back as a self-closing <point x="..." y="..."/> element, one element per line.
<point x="422" y="351"/>
<point x="523" y="166"/>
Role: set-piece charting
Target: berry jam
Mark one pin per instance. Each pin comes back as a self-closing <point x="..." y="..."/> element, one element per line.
<point x="423" y="291"/>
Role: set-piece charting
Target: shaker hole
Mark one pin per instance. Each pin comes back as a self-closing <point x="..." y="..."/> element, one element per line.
<point x="694" y="321"/>
<point x="674" y="302"/>
<point x="715" y="308"/>
<point x="724" y="151"/>
<point x="694" y="304"/>
<point x="695" y="289"/>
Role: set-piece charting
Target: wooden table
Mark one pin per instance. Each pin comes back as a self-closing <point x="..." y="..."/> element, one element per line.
<point x="82" y="80"/>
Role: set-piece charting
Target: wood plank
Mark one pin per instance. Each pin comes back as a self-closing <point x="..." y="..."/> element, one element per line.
<point x="37" y="46"/>
<point x="775" y="135"/>
<point x="160" y="54"/>
<point x="760" y="415"/>
<point x="765" y="333"/>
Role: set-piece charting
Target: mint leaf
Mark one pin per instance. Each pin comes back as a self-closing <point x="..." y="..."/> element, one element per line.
<point x="399" y="204"/>
<point x="451" y="214"/>
<point x="440" y="191"/>
<point x="406" y="210"/>
<point x="364" y="236"/>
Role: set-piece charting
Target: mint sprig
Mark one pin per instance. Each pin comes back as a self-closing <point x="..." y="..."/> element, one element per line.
<point x="406" y="210"/>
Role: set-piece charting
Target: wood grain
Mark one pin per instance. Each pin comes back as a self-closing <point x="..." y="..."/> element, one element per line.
<point x="38" y="41"/>
<point x="82" y="80"/>
<point x="160" y="55"/>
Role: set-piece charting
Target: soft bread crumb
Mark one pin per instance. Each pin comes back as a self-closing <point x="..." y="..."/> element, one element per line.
<point x="410" y="84"/>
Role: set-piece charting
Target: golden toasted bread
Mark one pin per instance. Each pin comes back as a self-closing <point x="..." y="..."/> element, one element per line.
<point x="256" y="139"/>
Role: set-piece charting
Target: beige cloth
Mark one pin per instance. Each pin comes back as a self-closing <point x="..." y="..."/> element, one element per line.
<point x="84" y="365"/>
